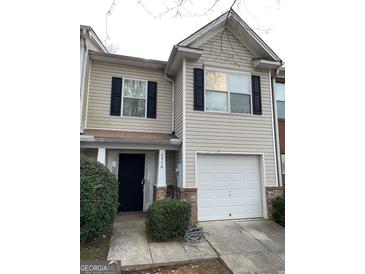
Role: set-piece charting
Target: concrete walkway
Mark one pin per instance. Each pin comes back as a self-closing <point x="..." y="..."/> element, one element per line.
<point x="248" y="246"/>
<point x="130" y="245"/>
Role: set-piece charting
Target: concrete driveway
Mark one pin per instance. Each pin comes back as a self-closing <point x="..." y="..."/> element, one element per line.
<point x="248" y="246"/>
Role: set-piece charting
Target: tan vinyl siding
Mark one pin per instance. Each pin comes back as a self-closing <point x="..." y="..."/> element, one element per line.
<point x="85" y="96"/>
<point x="226" y="132"/>
<point x="170" y="167"/>
<point x="99" y="99"/>
<point x="179" y="111"/>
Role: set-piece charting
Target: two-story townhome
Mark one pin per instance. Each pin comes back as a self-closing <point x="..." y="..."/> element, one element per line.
<point x="199" y="127"/>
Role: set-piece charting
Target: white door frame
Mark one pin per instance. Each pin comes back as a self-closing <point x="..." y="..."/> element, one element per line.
<point x="261" y="168"/>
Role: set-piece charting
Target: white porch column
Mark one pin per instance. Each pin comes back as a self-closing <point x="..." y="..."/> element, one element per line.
<point x="101" y="155"/>
<point x="161" y="170"/>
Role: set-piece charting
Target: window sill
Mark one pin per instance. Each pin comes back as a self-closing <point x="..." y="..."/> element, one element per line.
<point x="133" y="117"/>
<point x="229" y="113"/>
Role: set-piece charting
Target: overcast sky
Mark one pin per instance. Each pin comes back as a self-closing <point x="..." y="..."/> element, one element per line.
<point x="135" y="30"/>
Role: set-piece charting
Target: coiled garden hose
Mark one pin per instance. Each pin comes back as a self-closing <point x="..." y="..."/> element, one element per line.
<point x="194" y="235"/>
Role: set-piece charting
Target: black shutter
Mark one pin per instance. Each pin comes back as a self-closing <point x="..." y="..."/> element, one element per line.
<point x="256" y="95"/>
<point x="198" y="89"/>
<point x="116" y="98"/>
<point x="151" y="99"/>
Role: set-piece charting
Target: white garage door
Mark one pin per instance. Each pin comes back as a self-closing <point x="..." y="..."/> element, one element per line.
<point x="228" y="187"/>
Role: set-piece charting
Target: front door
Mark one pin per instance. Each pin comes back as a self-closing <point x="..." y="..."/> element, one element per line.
<point x="130" y="176"/>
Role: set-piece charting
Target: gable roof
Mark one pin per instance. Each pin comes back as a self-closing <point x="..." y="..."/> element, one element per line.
<point x="237" y="26"/>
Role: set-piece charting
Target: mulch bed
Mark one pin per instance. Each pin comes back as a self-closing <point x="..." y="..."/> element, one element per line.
<point x="97" y="250"/>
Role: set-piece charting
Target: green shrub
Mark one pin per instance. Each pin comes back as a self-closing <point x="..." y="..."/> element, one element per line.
<point x="278" y="210"/>
<point x="168" y="218"/>
<point x="98" y="199"/>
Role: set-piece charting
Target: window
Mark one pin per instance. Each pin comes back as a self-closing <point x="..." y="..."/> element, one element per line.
<point x="134" y="98"/>
<point x="228" y="91"/>
<point x="280" y="100"/>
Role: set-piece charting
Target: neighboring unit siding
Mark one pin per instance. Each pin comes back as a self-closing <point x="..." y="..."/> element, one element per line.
<point x="85" y="95"/>
<point x="179" y="111"/>
<point x="281" y="124"/>
<point x="225" y="132"/>
<point x="99" y="99"/>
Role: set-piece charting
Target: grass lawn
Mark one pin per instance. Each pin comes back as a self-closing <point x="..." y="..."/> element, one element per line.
<point x="206" y="267"/>
<point x="96" y="250"/>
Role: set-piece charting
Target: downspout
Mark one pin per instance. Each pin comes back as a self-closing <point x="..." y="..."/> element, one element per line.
<point x="173" y="101"/>
<point x="275" y="129"/>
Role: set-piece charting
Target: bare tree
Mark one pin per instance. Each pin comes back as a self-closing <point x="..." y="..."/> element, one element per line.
<point x="111" y="47"/>
<point x="187" y="8"/>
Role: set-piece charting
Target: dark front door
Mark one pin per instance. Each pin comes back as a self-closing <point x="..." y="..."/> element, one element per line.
<point x="130" y="175"/>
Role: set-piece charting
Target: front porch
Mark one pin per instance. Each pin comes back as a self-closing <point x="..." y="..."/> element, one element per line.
<point x="144" y="163"/>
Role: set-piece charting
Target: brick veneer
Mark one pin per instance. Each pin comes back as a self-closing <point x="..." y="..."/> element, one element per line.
<point x="170" y="191"/>
<point x="159" y="193"/>
<point x="272" y="192"/>
<point x="189" y="195"/>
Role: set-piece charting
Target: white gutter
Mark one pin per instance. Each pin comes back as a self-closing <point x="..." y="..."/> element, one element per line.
<point x="173" y="101"/>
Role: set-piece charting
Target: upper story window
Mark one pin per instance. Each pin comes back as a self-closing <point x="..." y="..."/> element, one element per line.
<point x="280" y="99"/>
<point x="228" y="91"/>
<point x="134" y="98"/>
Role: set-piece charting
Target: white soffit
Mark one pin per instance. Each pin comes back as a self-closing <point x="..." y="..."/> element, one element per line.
<point x="265" y="64"/>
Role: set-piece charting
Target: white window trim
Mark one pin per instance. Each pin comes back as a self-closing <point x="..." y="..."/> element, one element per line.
<point x="131" y="97"/>
<point x="228" y="90"/>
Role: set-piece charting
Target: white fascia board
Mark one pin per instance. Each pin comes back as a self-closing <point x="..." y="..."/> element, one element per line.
<point x="255" y="37"/>
<point x="92" y="139"/>
<point x="195" y="38"/>
<point x="190" y="39"/>
<point x="127" y="60"/>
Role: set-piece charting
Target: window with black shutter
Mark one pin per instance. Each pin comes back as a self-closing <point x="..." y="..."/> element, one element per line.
<point x="256" y="95"/>
<point x="198" y="89"/>
<point x="151" y="99"/>
<point x="116" y="96"/>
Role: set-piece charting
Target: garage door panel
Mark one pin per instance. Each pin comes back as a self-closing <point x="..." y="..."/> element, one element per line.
<point x="244" y="194"/>
<point x="228" y="187"/>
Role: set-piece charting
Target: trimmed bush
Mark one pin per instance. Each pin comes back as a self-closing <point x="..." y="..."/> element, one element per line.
<point x="278" y="210"/>
<point x="168" y="218"/>
<point x="98" y="199"/>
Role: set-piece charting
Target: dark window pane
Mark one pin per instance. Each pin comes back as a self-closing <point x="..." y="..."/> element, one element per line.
<point x="240" y="103"/>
